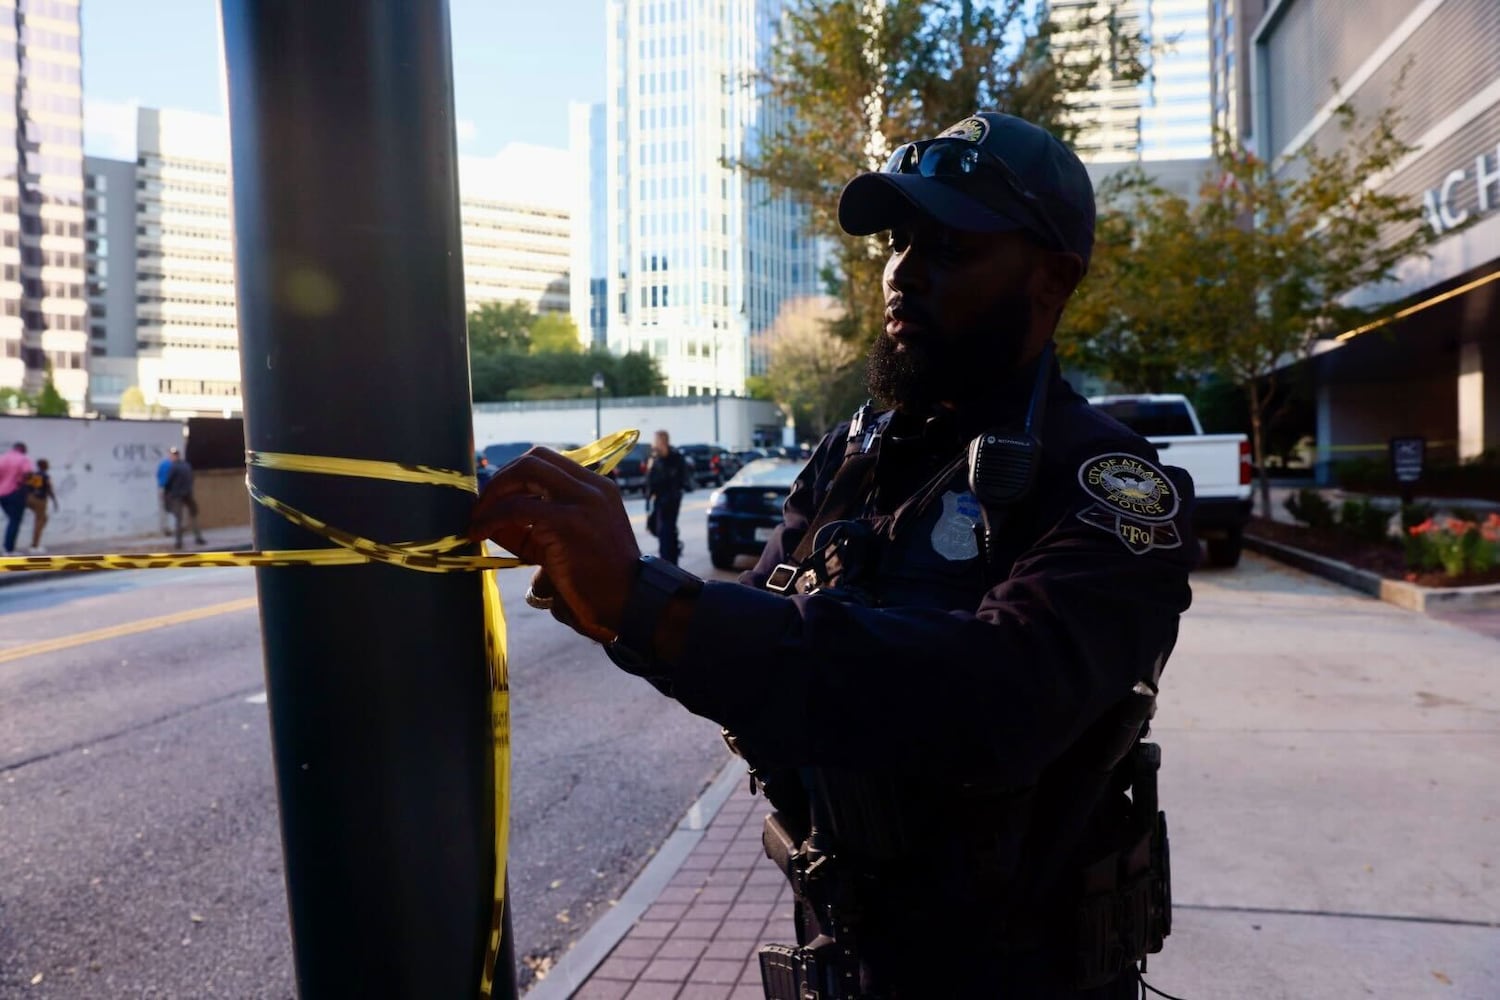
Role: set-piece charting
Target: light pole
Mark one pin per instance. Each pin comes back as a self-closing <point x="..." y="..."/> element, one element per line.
<point x="598" y="404"/>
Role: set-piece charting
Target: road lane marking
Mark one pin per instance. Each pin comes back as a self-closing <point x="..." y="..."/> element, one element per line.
<point x="128" y="628"/>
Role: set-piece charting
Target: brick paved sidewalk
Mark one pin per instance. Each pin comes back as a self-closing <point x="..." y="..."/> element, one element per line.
<point x="698" y="940"/>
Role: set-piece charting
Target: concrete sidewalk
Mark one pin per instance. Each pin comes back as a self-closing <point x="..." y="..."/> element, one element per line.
<point x="1329" y="778"/>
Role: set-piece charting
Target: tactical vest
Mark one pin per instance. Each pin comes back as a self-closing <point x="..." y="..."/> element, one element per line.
<point x="1081" y="868"/>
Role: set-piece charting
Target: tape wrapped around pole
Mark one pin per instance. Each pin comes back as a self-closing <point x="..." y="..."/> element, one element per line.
<point x="351" y="316"/>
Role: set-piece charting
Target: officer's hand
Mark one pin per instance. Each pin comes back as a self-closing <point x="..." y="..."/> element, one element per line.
<point x="571" y="523"/>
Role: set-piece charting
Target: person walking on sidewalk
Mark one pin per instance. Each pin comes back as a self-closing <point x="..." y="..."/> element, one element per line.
<point x="38" y="492"/>
<point x="15" y="466"/>
<point x="163" y="470"/>
<point x="942" y="667"/>
<point x="180" y="498"/>
<point x="666" y="480"/>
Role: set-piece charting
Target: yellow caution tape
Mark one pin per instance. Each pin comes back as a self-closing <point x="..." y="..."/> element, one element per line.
<point x="449" y="554"/>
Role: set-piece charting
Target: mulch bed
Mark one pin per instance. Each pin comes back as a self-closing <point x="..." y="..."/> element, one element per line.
<point x="1386" y="559"/>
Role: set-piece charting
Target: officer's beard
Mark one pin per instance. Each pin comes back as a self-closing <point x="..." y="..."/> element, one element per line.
<point x="917" y="374"/>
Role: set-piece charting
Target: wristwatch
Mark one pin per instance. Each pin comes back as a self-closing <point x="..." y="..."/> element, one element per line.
<point x="657" y="582"/>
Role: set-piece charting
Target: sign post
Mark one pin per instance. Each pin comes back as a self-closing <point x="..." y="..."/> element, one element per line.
<point x="1408" y="456"/>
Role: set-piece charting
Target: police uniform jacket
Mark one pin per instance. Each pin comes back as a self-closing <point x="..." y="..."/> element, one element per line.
<point x="954" y="672"/>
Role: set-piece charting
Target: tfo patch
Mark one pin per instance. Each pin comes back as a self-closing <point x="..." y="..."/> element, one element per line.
<point x="973" y="129"/>
<point x="1139" y="537"/>
<point x="1130" y="486"/>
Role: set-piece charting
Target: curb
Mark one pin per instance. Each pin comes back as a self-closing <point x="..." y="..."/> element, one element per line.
<point x="1411" y="596"/>
<point x="580" y="961"/>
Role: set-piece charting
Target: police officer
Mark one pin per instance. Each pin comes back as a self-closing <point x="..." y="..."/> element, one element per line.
<point x="942" y="667"/>
<point x="667" y="478"/>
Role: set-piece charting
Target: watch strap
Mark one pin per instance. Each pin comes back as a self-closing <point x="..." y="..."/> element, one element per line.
<point x="656" y="583"/>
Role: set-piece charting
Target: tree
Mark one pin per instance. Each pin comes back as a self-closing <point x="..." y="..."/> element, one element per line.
<point x="555" y="333"/>
<point x="812" y="371"/>
<point x="50" y="403"/>
<point x="12" y="399"/>
<point x="852" y="79"/>
<point x="133" y="402"/>
<point x="497" y="327"/>
<point x="1248" y="280"/>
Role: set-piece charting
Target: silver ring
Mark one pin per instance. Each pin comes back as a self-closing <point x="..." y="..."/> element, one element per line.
<point x="540" y="603"/>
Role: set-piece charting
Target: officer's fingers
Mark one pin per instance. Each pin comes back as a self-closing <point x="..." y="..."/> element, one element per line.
<point x="529" y="476"/>
<point x="572" y="468"/>
<point x="509" y="521"/>
<point x="541" y="585"/>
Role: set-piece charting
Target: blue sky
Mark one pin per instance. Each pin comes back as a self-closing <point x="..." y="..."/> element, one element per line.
<point x="516" y="65"/>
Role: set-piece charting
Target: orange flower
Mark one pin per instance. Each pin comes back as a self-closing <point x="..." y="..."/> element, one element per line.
<point x="1421" y="529"/>
<point x="1459" y="528"/>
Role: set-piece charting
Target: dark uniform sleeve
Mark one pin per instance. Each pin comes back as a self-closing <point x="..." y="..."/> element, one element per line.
<point x="1003" y="688"/>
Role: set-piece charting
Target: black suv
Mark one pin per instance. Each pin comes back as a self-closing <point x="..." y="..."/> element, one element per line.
<point x="713" y="465"/>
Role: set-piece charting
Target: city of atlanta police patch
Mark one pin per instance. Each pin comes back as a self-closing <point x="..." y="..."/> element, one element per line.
<point x="1130" y="486"/>
<point x="1135" y="501"/>
<point x="973" y="129"/>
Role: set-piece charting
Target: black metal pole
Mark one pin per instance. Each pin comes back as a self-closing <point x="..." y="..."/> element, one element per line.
<point x="352" y="344"/>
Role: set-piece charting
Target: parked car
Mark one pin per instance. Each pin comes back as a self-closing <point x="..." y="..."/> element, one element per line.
<point x="1218" y="463"/>
<point x="630" y="474"/>
<point x="713" y="465"/>
<point x="503" y="454"/>
<point x="744" y="512"/>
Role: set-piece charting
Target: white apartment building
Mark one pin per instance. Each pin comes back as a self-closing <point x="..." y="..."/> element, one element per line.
<point x="187" y="335"/>
<point x="517" y="214"/>
<point x="43" y="302"/>
<point x="161" y="258"/>
<point x="1165" y="116"/>
<point x="700" y="257"/>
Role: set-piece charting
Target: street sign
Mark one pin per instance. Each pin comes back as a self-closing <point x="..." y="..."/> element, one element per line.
<point x="1407" y="457"/>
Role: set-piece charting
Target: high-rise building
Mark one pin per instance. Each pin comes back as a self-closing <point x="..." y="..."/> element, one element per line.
<point x="1108" y="114"/>
<point x="43" y="305"/>
<point x="701" y="257"/>
<point x="161" y="259"/>
<point x="1176" y="122"/>
<point x="1231" y="25"/>
<point x="588" y="147"/>
<point x="187" y="334"/>
<point x="1165" y="115"/>
<point x="516" y="210"/>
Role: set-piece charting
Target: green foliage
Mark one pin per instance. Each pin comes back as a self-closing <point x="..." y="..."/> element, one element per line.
<point x="15" y="399"/>
<point x="812" y="372"/>
<point x="555" y="333"/>
<point x="507" y="375"/>
<point x="858" y="79"/>
<point x="758" y="387"/>
<point x="1362" y="521"/>
<point x="50" y="403"/>
<point x="1477" y="478"/>
<point x="1309" y="507"/>
<point x="500" y="327"/>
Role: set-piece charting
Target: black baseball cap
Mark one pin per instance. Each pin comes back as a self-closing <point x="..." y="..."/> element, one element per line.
<point x="990" y="173"/>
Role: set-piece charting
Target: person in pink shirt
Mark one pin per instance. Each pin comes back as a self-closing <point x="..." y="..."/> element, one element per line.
<point x="14" y="467"/>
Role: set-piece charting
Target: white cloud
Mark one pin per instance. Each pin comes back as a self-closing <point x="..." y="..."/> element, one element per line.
<point x="467" y="130"/>
<point x="109" y="128"/>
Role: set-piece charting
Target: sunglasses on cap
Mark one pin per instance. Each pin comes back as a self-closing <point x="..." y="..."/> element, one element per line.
<point x="972" y="170"/>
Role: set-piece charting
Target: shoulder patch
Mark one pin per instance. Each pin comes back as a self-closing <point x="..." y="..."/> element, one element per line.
<point x="973" y="129"/>
<point x="1131" y="486"/>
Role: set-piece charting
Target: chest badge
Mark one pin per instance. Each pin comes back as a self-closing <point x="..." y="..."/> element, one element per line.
<point x="953" y="536"/>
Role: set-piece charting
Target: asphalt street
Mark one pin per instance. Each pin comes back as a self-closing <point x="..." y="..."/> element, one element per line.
<point x="139" y="845"/>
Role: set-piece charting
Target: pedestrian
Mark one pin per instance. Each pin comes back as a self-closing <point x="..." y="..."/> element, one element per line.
<point x="15" y="466"/>
<point x="941" y="669"/>
<point x="164" y="469"/>
<point x="667" y="478"/>
<point x="180" y="500"/>
<point x="483" y="472"/>
<point x="38" y="492"/>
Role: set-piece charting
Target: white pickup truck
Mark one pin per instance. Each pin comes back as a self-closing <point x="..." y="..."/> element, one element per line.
<point x="1218" y="463"/>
